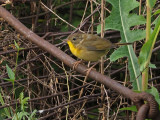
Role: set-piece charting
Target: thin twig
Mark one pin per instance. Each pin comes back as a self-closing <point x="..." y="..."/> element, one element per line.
<point x="58" y="16"/>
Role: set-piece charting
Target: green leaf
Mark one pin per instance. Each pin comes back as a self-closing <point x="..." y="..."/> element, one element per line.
<point x="21" y="48"/>
<point x="132" y="108"/>
<point x="33" y="114"/>
<point x="155" y="22"/>
<point x="10" y="80"/>
<point x="17" y="46"/>
<point x="157" y="12"/>
<point x="11" y="74"/>
<point x="146" y="51"/>
<point x="23" y="101"/>
<point x="21" y="96"/>
<point x="20" y="115"/>
<point x="152" y="65"/>
<point x="120" y="19"/>
<point x="152" y="3"/>
<point x="155" y="93"/>
<point x="6" y="110"/>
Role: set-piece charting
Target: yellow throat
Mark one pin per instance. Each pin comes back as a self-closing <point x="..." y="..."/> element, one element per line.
<point x="73" y="49"/>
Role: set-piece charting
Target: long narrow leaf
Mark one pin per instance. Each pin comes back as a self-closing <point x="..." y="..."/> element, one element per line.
<point x="146" y="51"/>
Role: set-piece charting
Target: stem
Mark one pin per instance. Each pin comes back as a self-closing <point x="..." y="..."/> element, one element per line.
<point x="148" y="33"/>
<point x="145" y="79"/>
<point x="148" y="24"/>
<point x="102" y="61"/>
<point x="140" y="6"/>
<point x="69" y="96"/>
<point x="16" y="62"/>
<point x="102" y="32"/>
<point x="92" y="18"/>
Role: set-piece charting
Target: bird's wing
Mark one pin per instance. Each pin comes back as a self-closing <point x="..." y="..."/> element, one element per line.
<point x="97" y="45"/>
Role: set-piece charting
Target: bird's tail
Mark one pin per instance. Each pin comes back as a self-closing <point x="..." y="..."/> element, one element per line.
<point x="120" y="44"/>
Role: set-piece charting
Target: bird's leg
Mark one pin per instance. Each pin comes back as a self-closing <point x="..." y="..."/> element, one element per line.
<point x="76" y="64"/>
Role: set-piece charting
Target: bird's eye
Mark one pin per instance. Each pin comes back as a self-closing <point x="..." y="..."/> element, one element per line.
<point x="74" y="38"/>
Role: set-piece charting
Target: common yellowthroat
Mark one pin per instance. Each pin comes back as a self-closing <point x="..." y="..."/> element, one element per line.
<point x="90" y="47"/>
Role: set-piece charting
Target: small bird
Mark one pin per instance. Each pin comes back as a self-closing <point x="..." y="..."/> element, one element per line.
<point x="90" y="47"/>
